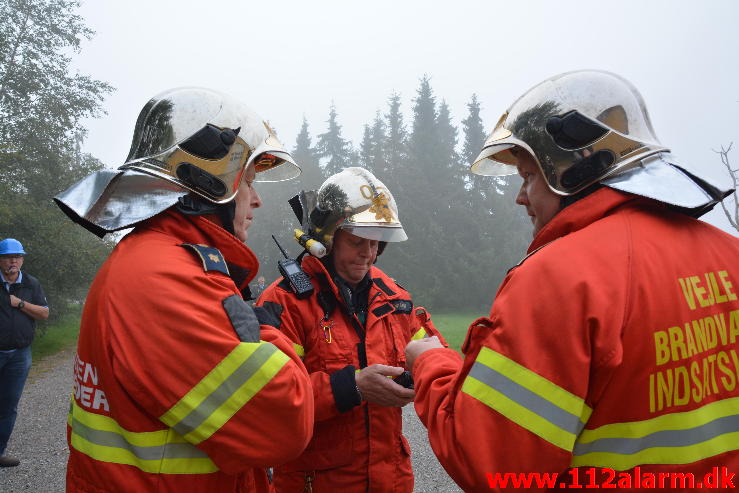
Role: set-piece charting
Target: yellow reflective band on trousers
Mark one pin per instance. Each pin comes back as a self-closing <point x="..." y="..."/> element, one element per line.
<point x="155" y="452"/>
<point x="419" y="335"/>
<point x="527" y="398"/>
<point x="676" y="438"/>
<point x="225" y="390"/>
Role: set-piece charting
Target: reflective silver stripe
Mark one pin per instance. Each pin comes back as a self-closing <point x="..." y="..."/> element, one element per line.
<point x="224" y="391"/>
<point x="664" y="438"/>
<point x="156" y="452"/>
<point x="526" y="398"/>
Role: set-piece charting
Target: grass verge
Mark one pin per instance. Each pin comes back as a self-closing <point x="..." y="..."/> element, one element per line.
<point x="64" y="332"/>
<point x="57" y="335"/>
<point x="453" y="326"/>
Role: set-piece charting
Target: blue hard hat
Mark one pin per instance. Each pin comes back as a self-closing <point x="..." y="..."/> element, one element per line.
<point x="11" y="246"/>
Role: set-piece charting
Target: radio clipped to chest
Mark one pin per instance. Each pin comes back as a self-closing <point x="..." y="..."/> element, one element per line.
<point x="292" y="272"/>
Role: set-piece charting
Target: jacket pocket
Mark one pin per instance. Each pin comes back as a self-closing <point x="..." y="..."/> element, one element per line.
<point x="331" y="446"/>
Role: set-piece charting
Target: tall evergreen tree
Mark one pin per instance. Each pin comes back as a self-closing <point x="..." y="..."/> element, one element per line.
<point x="378" y="136"/>
<point x="307" y="157"/>
<point x="334" y="151"/>
<point x="423" y="141"/>
<point x="447" y="134"/>
<point x="366" y="149"/>
<point x="474" y="131"/>
<point x="372" y="150"/>
<point x="396" y="140"/>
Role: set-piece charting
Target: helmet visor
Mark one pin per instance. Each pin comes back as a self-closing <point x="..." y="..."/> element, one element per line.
<point x="495" y="160"/>
<point x="273" y="166"/>
<point x="379" y="233"/>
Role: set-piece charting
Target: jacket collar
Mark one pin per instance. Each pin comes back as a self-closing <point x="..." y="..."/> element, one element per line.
<point x="316" y="268"/>
<point x="583" y="213"/>
<point x="242" y="262"/>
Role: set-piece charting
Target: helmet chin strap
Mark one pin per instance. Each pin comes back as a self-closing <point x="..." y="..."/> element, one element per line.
<point x="193" y="205"/>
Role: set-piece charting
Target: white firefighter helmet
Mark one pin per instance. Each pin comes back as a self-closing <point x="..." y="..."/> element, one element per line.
<point x="186" y="140"/>
<point x="353" y="200"/>
<point x="591" y="126"/>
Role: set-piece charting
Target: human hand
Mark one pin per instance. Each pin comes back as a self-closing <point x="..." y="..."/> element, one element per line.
<point x="414" y="349"/>
<point x="14" y="301"/>
<point x="375" y="386"/>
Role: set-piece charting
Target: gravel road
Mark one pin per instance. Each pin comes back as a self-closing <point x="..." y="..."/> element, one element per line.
<point x="39" y="435"/>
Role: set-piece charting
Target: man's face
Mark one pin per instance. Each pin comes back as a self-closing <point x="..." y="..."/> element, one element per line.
<point x="353" y="256"/>
<point x="10" y="265"/>
<point x="246" y="201"/>
<point x="541" y="203"/>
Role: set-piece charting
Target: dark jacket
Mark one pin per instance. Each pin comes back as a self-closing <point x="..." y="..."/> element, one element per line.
<point x="16" y="328"/>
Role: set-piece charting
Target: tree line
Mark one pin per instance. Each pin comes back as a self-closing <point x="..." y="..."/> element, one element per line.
<point x="42" y="106"/>
<point x="464" y="231"/>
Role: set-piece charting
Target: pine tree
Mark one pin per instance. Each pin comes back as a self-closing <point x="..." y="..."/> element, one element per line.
<point x="474" y="132"/>
<point x="396" y="140"/>
<point x="379" y="140"/>
<point x="366" y="149"/>
<point x="307" y="157"/>
<point x="334" y="151"/>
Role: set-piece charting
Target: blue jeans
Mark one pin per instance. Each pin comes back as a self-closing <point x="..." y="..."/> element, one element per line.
<point x="14" y="368"/>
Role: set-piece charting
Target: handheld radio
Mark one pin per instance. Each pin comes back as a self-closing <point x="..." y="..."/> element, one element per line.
<point x="292" y="273"/>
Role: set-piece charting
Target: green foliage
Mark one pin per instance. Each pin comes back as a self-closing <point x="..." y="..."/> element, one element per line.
<point x="52" y="338"/>
<point x="42" y="105"/>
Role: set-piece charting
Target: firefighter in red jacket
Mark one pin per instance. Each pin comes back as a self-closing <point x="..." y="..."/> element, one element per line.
<point x="179" y="384"/>
<point x="351" y="332"/>
<point x="610" y="355"/>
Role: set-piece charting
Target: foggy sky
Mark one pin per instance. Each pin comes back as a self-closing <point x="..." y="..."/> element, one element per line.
<point x="289" y="59"/>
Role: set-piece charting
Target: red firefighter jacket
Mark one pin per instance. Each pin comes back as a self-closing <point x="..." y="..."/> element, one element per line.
<point x="175" y="388"/>
<point x="356" y="447"/>
<point x="613" y="346"/>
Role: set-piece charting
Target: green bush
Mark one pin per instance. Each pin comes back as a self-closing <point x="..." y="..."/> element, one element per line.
<point x="60" y="334"/>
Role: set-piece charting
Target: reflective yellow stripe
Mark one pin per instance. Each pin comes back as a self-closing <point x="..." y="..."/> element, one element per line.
<point x="299" y="350"/>
<point x="419" y="335"/>
<point x="676" y="438"/>
<point x="225" y="390"/>
<point x="155" y="452"/>
<point x="526" y="398"/>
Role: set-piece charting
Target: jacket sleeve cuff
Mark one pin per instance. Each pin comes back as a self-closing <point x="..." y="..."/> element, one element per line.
<point x="344" y="387"/>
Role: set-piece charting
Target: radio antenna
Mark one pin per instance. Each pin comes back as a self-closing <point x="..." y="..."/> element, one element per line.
<point x="280" y="247"/>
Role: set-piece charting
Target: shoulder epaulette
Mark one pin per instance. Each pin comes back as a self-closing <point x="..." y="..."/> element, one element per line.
<point x="383" y="287"/>
<point x="211" y="258"/>
<point x="398" y="284"/>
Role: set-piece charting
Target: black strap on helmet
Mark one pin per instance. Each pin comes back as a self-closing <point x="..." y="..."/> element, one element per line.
<point x="194" y="205"/>
<point x="210" y="142"/>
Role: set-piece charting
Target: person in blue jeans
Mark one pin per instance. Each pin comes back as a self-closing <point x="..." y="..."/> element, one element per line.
<point x="22" y="302"/>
